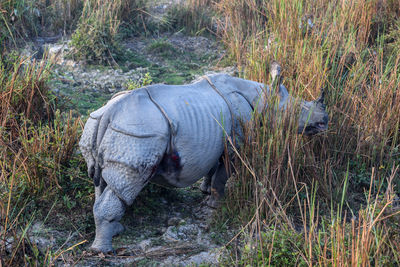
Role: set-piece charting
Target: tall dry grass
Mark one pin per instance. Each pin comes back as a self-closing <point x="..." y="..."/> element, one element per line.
<point x="367" y="237"/>
<point x="350" y="49"/>
<point x="327" y="45"/>
<point x="97" y="37"/>
<point x="36" y="141"/>
<point x="36" y="146"/>
<point x="194" y="17"/>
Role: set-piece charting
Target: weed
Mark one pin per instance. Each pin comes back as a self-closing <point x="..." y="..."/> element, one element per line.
<point x="162" y="47"/>
<point x="146" y="80"/>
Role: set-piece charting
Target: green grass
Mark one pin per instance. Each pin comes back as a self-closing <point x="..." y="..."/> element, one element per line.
<point x="161" y="47"/>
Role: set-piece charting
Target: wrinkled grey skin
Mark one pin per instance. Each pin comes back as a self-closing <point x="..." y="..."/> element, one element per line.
<point x="127" y="142"/>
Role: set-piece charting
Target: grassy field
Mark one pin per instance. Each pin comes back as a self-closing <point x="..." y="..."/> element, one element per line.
<point x="326" y="200"/>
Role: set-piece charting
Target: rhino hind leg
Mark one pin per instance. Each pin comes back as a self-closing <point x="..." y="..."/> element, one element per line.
<point x="122" y="185"/>
<point x="108" y="210"/>
<point x="218" y="182"/>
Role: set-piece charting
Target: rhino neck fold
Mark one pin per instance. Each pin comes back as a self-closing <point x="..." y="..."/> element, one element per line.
<point x="224" y="98"/>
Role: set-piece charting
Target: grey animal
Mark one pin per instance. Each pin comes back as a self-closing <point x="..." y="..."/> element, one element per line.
<point x="173" y="135"/>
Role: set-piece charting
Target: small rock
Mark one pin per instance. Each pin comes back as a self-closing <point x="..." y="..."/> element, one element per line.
<point x="43" y="243"/>
<point x="37" y="227"/>
<point x="186" y="232"/>
<point x="145" y="244"/>
<point x="205" y="257"/>
<point x="174" y="221"/>
<point x="8" y="244"/>
<point x="171" y="234"/>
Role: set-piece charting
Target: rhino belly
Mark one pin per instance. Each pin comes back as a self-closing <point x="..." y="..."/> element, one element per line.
<point x="198" y="145"/>
<point x="194" y="163"/>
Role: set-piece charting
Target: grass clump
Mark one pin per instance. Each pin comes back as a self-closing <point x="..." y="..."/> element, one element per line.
<point x="349" y="49"/>
<point x="25" y="19"/>
<point x="37" y="141"/>
<point x="194" y="17"/>
<point x="97" y="37"/>
<point x="38" y="146"/>
<point x="369" y="237"/>
<point x="161" y="47"/>
<point x="280" y="248"/>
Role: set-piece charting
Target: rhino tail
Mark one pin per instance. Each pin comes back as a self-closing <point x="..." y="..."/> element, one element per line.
<point x="97" y="174"/>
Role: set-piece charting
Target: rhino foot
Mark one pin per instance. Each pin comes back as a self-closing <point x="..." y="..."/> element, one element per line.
<point x="213" y="203"/>
<point x="104" y="234"/>
<point x="98" y="247"/>
<point x="205" y="187"/>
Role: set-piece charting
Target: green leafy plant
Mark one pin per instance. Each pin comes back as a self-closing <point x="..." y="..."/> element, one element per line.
<point x="146" y="80"/>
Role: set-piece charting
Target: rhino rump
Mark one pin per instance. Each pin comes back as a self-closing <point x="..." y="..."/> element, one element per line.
<point x="132" y="115"/>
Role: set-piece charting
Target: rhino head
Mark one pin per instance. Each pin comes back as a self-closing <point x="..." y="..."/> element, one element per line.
<point x="313" y="117"/>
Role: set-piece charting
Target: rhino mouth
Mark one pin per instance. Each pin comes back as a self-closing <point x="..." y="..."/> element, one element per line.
<point x="314" y="128"/>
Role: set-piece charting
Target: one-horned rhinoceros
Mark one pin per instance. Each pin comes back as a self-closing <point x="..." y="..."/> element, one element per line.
<point x="172" y="135"/>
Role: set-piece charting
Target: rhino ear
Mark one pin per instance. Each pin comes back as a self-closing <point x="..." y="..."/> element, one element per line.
<point x="321" y="98"/>
<point x="275" y="71"/>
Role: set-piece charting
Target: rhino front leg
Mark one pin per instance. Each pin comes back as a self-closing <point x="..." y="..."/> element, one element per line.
<point x="205" y="186"/>
<point x="218" y="186"/>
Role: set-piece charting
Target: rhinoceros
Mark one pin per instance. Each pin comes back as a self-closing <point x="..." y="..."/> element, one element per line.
<point x="172" y="135"/>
